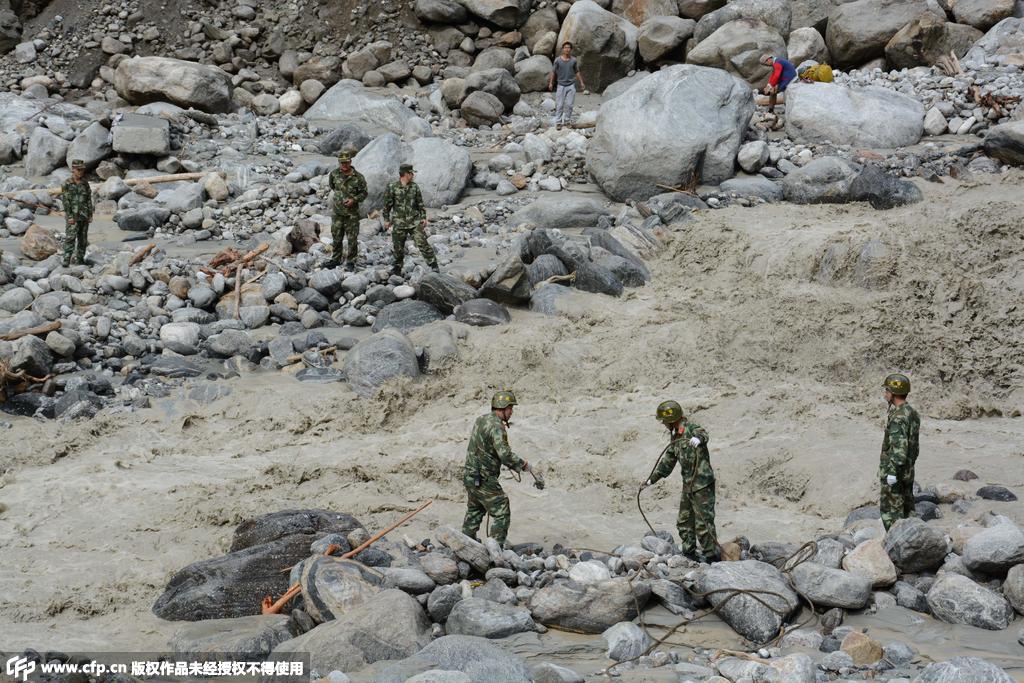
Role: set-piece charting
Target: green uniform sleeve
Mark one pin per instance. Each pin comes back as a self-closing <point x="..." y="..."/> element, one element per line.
<point x="361" y="192"/>
<point x="666" y="464"/>
<point x="88" y="200"/>
<point x="700" y="433"/>
<point x="421" y="211"/>
<point x="333" y="181"/>
<point x="499" y="441"/>
<point x="389" y="202"/>
<point x="66" y="199"/>
<point x="895" y="455"/>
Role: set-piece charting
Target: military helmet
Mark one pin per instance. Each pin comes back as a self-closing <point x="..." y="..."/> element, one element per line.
<point x="344" y="156"/>
<point x="669" y="412"/>
<point x="503" y="399"/>
<point x="897" y="384"/>
<point x="405" y="168"/>
<point x="77" y="163"/>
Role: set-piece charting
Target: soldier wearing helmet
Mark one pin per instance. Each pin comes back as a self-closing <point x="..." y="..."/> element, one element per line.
<point x="899" y="452"/>
<point x="689" y="447"/>
<point x="488" y="451"/>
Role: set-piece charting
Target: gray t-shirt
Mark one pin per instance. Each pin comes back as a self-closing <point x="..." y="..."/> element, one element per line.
<point x="566" y="70"/>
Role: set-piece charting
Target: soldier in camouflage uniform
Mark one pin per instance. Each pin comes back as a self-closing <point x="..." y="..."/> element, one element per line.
<point x="349" y="188"/>
<point x="689" y="447"/>
<point x="899" y="452"/>
<point x="488" y="451"/>
<point x="76" y="198"/>
<point x="405" y="216"/>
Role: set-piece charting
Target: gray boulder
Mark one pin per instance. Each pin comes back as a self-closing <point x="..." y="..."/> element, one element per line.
<point x="560" y="213"/>
<point x="913" y="546"/>
<point x="251" y="638"/>
<point x="33" y="356"/>
<point x="444" y="292"/>
<point x="276" y="525"/>
<point x="776" y="14"/>
<point x="10" y="30"/>
<point x="442" y="170"/>
<point x="141" y="134"/>
<point x="477" y="658"/>
<point x="230" y="343"/>
<point x="754" y="187"/>
<point x="640" y="12"/>
<point x="858" y="31"/>
<point x="46" y="152"/>
<point x="697" y="116"/>
<point x="391" y="625"/>
<point x="737" y="47"/>
<point x="995" y="550"/>
<point x="823" y="181"/>
<point x="379" y="162"/>
<point x="508" y="284"/>
<point x="592" y="608"/>
<point x="142" y="219"/>
<point x="440" y="11"/>
<point x="481" y="108"/>
<point x="478" y="617"/>
<point x="92" y="145"/>
<point x="442" y="601"/>
<point x="663" y="37"/>
<point x="963" y="670"/>
<point x="603" y="42"/>
<point x="982" y="14"/>
<point x="590" y="276"/>
<point x="379" y="358"/>
<point x="532" y="73"/>
<point x="465" y="548"/>
<point x="626" y="640"/>
<point x="349" y="101"/>
<point x="1001" y="44"/>
<point x="882" y="190"/>
<point x="15" y="300"/>
<point x="757" y="620"/>
<point x="863" y="117"/>
<point x="925" y="40"/>
<point x="828" y="587"/>
<point x="956" y="599"/>
<point x="441" y="568"/>
<point x="807" y="44"/>
<point x="482" y="313"/>
<point x="545" y="298"/>
<point x="1013" y="588"/>
<point x="409" y="579"/>
<point x="497" y="82"/>
<point x="502" y="13"/>
<point x="346" y="136"/>
<point x="406" y="315"/>
<point x="1005" y="142"/>
<point x="141" y="80"/>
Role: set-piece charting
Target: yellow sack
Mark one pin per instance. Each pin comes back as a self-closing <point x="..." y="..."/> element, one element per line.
<point x="819" y="73"/>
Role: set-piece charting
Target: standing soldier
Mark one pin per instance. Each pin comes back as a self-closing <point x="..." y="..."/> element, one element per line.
<point x="404" y="214"/>
<point x="349" y="187"/>
<point x="689" y="447"/>
<point x="76" y="198"/>
<point x="899" y="452"/>
<point x="488" y="451"/>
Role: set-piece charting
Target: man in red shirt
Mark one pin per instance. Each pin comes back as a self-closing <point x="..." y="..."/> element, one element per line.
<point x="783" y="72"/>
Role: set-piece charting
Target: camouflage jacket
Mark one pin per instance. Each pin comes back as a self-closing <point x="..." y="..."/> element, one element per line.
<point x="76" y="198"/>
<point x="489" y="450"/>
<point x="351" y="186"/>
<point x="694" y="462"/>
<point x="900" y="443"/>
<point x="403" y="204"/>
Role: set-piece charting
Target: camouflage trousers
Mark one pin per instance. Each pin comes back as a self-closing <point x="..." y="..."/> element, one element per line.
<point x="897" y="501"/>
<point x="76" y="239"/>
<point x="345" y="226"/>
<point x="399" y="235"/>
<point x="488" y="498"/>
<point x="696" y="522"/>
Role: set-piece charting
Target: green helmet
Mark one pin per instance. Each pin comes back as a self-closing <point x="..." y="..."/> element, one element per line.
<point x="503" y="399"/>
<point x="897" y="384"/>
<point x="669" y="412"/>
<point x="344" y="156"/>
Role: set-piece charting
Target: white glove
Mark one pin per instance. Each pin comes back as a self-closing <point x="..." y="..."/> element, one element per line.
<point x="695" y="441"/>
<point x="890" y="480"/>
<point x="645" y="484"/>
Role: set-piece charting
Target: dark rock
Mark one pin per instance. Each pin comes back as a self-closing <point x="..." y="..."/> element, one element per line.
<point x="277" y="525"/>
<point x="866" y="512"/>
<point x="882" y="190"/>
<point x="591" y="608"/>
<point x="442" y="600"/>
<point x="909" y="597"/>
<point x="444" y="292"/>
<point x="545" y="298"/>
<point x="381" y="357"/>
<point x="243" y="638"/>
<point x="406" y="315"/>
<point x="927" y="510"/>
<point x="590" y="277"/>
<point x="346" y="136"/>
<point x="965" y="475"/>
<point x="543" y="267"/>
<point x="142" y="219"/>
<point x="624" y="270"/>
<point x="482" y="312"/>
<point x="913" y="546"/>
<point x="477" y="658"/>
<point x="332" y="586"/>
<point x="174" y="367"/>
<point x="508" y="284"/>
<point x="995" y="492"/>
<point x="312" y="298"/>
<point x="956" y="599"/>
<point x="604" y="239"/>
<point x="77" y="403"/>
<point x="477" y="617"/>
<point x="757" y="620"/>
<point x="963" y="670"/>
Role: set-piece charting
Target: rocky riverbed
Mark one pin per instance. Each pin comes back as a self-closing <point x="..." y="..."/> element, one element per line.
<point x="674" y="242"/>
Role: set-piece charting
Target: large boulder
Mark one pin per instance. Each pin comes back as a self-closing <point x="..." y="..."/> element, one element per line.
<point x="379" y="358"/>
<point x="442" y="170"/>
<point x="92" y="145"/>
<point x="926" y="39"/>
<point x="532" y="73"/>
<point x="406" y="315"/>
<point x="348" y="101"/>
<point x="10" y="30"/>
<point x="603" y="42"/>
<point x="476" y="658"/>
<point x="806" y="44"/>
<point x="560" y="213"/>
<point x="444" y="292"/>
<point x="465" y="548"/>
<point x="774" y="13"/>
<point x="640" y="11"/>
<point x="482" y="313"/>
<point x="379" y="162"/>
<point x="479" y="617"/>
<point x="870" y="561"/>
<point x="509" y="283"/>
<point x="737" y="47"/>
<point x="914" y="546"/>
<point x="883" y="190"/>
<point x="251" y="638"/>
<point x="46" y="152"/>
<point x="810" y="14"/>
<point x="664" y="37"/>
<point x="995" y="550"/>
<point x="497" y="82"/>
<point x="440" y="11"/>
<point x="38" y="243"/>
<point x="963" y="670"/>
<point x="956" y="599"/>
<point x="234" y="584"/>
<point x="759" y="618"/>
<point x="695" y="116"/>
<point x="826" y="180"/>
<point x="858" y="31"/>
<point x="827" y="587"/>
<point x="982" y="14"/>
<point x="1003" y="42"/>
<point x="862" y="117"/>
<point x="276" y="525"/>
<point x="141" y="80"/>
<point x="1006" y="142"/>
<point x="590" y="608"/>
<point x="481" y="108"/>
<point x="1013" y="587"/>
<point x="391" y="625"/>
<point x="502" y="13"/>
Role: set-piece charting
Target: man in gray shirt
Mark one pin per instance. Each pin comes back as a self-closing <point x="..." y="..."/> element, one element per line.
<point x="566" y="72"/>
